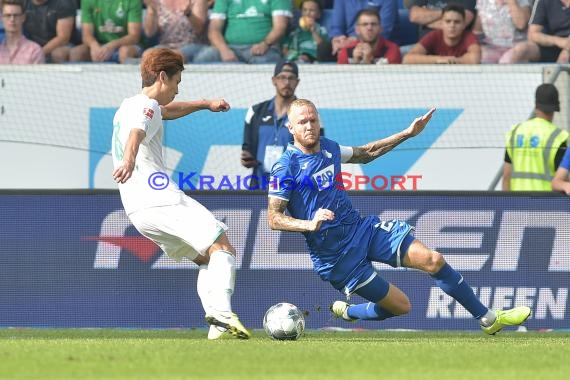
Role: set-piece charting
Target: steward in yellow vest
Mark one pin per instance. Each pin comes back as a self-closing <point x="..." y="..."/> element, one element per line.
<point x="535" y="147"/>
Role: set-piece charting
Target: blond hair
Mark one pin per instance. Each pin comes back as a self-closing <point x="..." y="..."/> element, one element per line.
<point x="300" y="103"/>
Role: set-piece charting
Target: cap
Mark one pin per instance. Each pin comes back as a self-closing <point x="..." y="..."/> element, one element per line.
<point x="546" y="98"/>
<point x="287" y="66"/>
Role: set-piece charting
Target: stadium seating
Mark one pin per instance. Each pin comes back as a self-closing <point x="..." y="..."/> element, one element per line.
<point x="404" y="33"/>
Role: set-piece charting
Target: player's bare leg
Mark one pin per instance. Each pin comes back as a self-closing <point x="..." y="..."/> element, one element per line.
<point x="451" y="282"/>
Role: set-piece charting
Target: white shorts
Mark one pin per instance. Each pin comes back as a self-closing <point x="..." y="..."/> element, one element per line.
<point x="186" y="229"/>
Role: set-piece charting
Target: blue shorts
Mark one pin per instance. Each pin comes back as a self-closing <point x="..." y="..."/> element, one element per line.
<point x="388" y="243"/>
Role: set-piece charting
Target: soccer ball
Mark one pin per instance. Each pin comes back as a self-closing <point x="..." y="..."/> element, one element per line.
<point x="284" y="321"/>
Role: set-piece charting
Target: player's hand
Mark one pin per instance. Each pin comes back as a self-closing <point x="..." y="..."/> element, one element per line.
<point x="219" y="105"/>
<point x="420" y="123"/>
<point x="321" y="215"/>
<point x="123" y="172"/>
<point x="248" y="160"/>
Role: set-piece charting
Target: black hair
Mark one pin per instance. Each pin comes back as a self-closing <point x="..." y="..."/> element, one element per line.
<point x="454" y="7"/>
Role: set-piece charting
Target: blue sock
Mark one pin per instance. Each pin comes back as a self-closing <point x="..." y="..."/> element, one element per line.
<point x="368" y="311"/>
<point x="452" y="283"/>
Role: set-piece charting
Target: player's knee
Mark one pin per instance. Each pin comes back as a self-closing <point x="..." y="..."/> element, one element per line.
<point x="435" y="263"/>
<point x="201" y="260"/>
<point x="222" y="247"/>
<point x="222" y="243"/>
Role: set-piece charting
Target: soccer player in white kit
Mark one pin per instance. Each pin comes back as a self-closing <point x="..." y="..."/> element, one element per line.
<point x="181" y="226"/>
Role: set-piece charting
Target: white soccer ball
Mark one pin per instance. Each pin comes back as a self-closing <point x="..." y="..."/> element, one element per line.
<point x="284" y="321"/>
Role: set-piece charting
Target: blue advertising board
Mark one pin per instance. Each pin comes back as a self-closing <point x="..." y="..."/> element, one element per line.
<point x="74" y="260"/>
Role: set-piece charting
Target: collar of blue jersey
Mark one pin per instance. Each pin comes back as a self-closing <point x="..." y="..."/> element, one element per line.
<point x="291" y="146"/>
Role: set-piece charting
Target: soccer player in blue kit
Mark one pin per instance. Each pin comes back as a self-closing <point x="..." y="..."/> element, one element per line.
<point x="343" y="244"/>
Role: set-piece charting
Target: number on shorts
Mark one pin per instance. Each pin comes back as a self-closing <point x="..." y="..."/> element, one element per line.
<point x="386" y="226"/>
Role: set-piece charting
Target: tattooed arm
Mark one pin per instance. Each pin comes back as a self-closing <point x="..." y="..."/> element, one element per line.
<point x="374" y="149"/>
<point x="279" y="221"/>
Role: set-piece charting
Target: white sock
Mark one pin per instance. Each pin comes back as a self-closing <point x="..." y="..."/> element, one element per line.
<point x="221" y="273"/>
<point x="488" y="319"/>
<point x="203" y="287"/>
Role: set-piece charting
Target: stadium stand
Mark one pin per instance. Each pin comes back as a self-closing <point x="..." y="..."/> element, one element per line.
<point x="405" y="32"/>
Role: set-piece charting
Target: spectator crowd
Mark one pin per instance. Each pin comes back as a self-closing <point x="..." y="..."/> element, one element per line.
<point x="304" y="31"/>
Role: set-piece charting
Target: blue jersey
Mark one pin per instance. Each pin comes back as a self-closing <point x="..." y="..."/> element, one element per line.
<point x="343" y="248"/>
<point x="309" y="182"/>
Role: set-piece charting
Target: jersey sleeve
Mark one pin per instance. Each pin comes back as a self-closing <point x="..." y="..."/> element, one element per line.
<point x="142" y="116"/>
<point x="220" y="10"/>
<point x="538" y="15"/>
<point x="281" y="8"/>
<point x="135" y="12"/>
<point x="346" y="153"/>
<point x="66" y="9"/>
<point x="86" y="11"/>
<point x="281" y="181"/>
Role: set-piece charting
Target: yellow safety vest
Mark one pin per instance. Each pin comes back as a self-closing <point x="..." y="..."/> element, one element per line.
<point x="532" y="147"/>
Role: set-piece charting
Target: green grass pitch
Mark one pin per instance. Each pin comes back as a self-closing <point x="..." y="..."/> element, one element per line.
<point x="186" y="354"/>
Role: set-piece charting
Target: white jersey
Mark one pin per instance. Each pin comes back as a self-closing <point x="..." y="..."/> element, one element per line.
<point x="143" y="113"/>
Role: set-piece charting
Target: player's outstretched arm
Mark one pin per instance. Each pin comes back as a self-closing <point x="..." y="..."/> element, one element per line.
<point x="124" y="172"/>
<point x="279" y="221"/>
<point x="174" y="110"/>
<point x="374" y="149"/>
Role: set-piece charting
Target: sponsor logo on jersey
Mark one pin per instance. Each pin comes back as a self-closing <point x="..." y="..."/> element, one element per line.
<point x="148" y="113"/>
<point x="324" y="178"/>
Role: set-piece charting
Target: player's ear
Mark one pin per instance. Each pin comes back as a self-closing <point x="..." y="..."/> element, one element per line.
<point x="162" y="76"/>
